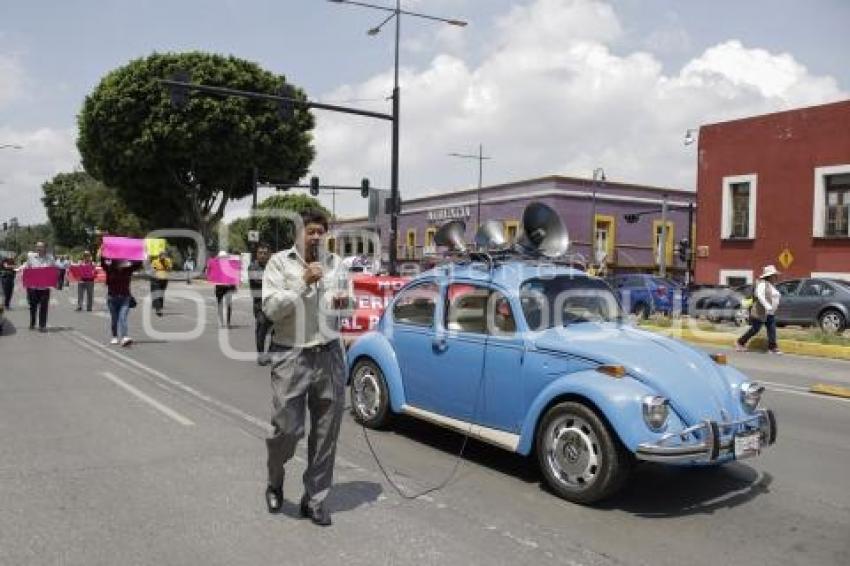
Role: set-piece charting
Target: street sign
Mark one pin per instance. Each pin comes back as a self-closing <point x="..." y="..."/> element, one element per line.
<point x="253" y="235"/>
<point x="786" y="258"/>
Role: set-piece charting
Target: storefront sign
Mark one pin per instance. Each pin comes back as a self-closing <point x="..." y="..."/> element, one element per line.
<point x="449" y="213"/>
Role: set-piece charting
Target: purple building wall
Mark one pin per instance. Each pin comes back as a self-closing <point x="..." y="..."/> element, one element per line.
<point x="573" y="200"/>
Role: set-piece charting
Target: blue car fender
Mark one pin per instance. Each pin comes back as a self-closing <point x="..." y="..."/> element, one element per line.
<point x="376" y="347"/>
<point x="619" y="401"/>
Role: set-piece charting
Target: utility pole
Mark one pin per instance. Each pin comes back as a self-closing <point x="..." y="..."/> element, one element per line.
<point x="662" y="245"/>
<point x="480" y="157"/>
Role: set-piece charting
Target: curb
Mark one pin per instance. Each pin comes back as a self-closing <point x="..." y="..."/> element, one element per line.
<point x="788" y="346"/>
<point x="831" y="390"/>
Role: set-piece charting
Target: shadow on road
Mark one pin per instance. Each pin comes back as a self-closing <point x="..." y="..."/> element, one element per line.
<point x="345" y="496"/>
<point x="654" y="490"/>
<point x="657" y="491"/>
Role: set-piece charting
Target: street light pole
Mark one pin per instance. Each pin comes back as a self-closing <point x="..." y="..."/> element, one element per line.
<point x="395" y="199"/>
<point x="480" y="157"/>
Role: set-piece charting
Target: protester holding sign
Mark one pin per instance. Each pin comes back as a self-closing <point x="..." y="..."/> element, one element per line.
<point x="224" y="272"/>
<point x="119" y="298"/>
<point x="40" y="273"/>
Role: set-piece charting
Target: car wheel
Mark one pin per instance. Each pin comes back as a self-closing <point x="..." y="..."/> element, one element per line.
<point x="581" y="460"/>
<point x="832" y="321"/>
<point x="370" y="399"/>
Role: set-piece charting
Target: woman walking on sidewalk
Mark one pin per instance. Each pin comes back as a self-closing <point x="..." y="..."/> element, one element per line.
<point x="764" y="308"/>
<point x="119" y="299"/>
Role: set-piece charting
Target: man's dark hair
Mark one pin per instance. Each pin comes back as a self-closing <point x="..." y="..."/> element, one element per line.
<point x="314" y="216"/>
<point x="262" y="245"/>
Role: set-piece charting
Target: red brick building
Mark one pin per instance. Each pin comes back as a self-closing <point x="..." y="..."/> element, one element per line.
<point x="775" y="189"/>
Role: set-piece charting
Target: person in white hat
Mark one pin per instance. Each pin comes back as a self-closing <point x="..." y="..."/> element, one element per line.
<point x="763" y="312"/>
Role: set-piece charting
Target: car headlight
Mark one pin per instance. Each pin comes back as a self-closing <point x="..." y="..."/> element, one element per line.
<point x="751" y="395"/>
<point x="656" y="409"/>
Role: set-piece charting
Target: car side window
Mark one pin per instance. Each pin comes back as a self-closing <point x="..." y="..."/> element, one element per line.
<point x="416" y="306"/>
<point x="500" y="316"/>
<point x="788" y="288"/>
<point x="813" y="288"/>
<point x="466" y="308"/>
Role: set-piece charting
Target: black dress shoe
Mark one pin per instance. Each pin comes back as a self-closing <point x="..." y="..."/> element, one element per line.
<point x="319" y="514"/>
<point x="274" y="499"/>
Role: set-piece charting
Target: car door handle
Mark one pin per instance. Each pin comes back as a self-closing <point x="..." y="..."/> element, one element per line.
<point x="439" y="345"/>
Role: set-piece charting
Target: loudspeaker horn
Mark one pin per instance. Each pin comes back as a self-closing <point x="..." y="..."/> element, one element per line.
<point x="491" y="235"/>
<point x="543" y="232"/>
<point x="450" y="235"/>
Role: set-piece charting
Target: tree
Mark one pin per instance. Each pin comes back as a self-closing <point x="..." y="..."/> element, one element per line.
<point x="279" y="234"/>
<point x="23" y="239"/>
<point x="76" y="204"/>
<point x="179" y="167"/>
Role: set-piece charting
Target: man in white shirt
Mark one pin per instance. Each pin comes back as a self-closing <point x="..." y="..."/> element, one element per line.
<point x="763" y="311"/>
<point x="301" y="293"/>
<point x="39" y="297"/>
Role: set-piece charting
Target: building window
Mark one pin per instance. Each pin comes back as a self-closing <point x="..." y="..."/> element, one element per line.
<point x="740" y="210"/>
<point x="511" y="230"/>
<point x="348" y="247"/>
<point x="738" y="207"/>
<point x="430" y="233"/>
<point x="831" y="201"/>
<point x="604" y="239"/>
<point x="656" y="242"/>
<point x="735" y="277"/>
<point x="332" y="245"/>
<point x="837" y="204"/>
<point x="411" y="243"/>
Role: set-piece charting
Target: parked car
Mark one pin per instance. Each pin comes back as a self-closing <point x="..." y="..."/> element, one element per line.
<point x="645" y="294"/>
<point x="815" y="302"/>
<point x="723" y="303"/>
<point x="548" y="365"/>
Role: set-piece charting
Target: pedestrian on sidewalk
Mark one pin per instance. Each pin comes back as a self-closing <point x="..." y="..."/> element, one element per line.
<point x="39" y="297"/>
<point x="161" y="269"/>
<point x="308" y="366"/>
<point x="224" y="298"/>
<point x="119" y="299"/>
<point x="262" y="324"/>
<point x="85" y="286"/>
<point x="7" y="279"/>
<point x="763" y="312"/>
<point x="189" y="268"/>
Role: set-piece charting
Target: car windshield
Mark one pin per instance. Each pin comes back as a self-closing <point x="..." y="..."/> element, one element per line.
<point x="566" y="300"/>
<point x="841" y="283"/>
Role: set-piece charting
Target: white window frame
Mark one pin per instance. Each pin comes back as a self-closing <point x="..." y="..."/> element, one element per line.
<point x="844" y="276"/>
<point x="726" y="206"/>
<point x="819" y="208"/>
<point x="725" y="274"/>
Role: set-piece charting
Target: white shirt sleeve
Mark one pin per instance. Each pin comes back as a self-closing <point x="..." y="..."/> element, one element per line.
<point x="761" y="296"/>
<point x="282" y="287"/>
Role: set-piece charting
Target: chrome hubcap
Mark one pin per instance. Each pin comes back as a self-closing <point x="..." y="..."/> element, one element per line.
<point x="573" y="452"/>
<point x="367" y="393"/>
<point x="830" y="322"/>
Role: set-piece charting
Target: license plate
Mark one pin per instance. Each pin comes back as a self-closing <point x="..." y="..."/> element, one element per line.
<point x="747" y="445"/>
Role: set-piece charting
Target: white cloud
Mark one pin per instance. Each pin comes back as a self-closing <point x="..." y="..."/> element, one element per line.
<point x="45" y="152"/>
<point x="551" y="97"/>
<point x="11" y="79"/>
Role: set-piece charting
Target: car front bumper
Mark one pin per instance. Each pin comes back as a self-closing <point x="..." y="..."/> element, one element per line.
<point x="709" y="441"/>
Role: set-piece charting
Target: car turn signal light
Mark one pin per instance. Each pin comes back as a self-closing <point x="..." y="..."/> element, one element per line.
<point x="719" y="359"/>
<point x="614" y="371"/>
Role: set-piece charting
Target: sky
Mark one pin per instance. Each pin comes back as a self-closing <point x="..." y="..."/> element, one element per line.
<point x="546" y="86"/>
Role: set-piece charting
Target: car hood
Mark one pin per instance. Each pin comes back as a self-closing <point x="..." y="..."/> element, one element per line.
<point x="694" y="384"/>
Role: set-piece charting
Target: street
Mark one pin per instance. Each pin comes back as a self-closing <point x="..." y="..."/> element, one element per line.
<point x="154" y="454"/>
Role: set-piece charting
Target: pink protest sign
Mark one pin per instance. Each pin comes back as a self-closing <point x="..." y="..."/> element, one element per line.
<point x="81" y="271"/>
<point x="119" y="247"/>
<point x="40" y="277"/>
<point x="224" y="271"/>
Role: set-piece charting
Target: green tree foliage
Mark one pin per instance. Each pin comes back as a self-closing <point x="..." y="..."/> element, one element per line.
<point x="23" y="239"/>
<point x="179" y="167"/>
<point x="279" y="234"/>
<point x="76" y="204"/>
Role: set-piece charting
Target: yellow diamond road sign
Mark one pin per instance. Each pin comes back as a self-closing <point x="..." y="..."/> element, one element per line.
<point x="786" y="258"/>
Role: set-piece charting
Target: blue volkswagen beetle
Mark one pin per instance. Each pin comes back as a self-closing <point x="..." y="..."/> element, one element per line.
<point x="538" y="358"/>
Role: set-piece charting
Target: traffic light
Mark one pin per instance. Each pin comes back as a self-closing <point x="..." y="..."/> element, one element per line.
<point x="179" y="94"/>
<point x="364" y="188"/>
<point x="684" y="250"/>
<point x="286" y="108"/>
<point x="314" y="186"/>
<point x="631" y="218"/>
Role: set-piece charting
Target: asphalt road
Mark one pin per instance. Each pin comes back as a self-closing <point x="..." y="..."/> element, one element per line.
<point x="154" y="454"/>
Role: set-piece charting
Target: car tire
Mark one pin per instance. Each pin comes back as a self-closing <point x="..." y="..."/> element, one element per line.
<point x="832" y="321"/>
<point x="370" y="398"/>
<point x="581" y="459"/>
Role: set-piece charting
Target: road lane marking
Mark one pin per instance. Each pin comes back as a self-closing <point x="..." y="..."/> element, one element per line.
<point x="802" y="391"/>
<point x="167" y="411"/>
